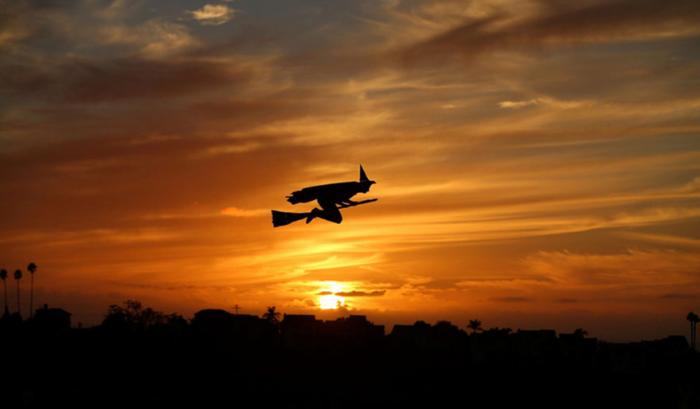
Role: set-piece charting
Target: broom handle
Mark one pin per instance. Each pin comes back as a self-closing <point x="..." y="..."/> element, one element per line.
<point x="357" y="203"/>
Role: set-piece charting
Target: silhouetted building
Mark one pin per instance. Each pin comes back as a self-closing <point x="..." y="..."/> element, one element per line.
<point x="535" y="347"/>
<point x="575" y="349"/>
<point x="494" y="345"/>
<point x="53" y="319"/>
<point x="354" y="331"/>
<point x="636" y="356"/>
<point x="231" y="328"/>
<point x="414" y="336"/>
<point x="300" y="331"/>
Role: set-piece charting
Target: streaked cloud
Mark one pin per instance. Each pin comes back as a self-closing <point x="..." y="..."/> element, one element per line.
<point x="237" y="212"/>
<point x="355" y="293"/>
<point x="594" y="22"/>
<point x="633" y="267"/>
<point x="517" y="104"/>
<point x="512" y="299"/>
<point x="663" y="239"/>
<point x="232" y="148"/>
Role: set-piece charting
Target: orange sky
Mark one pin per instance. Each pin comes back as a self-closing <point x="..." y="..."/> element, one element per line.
<point x="537" y="162"/>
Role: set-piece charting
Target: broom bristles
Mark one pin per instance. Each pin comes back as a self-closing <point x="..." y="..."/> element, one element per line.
<point x="285" y="218"/>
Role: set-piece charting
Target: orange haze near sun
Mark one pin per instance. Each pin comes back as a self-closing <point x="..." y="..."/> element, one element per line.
<point x="536" y="166"/>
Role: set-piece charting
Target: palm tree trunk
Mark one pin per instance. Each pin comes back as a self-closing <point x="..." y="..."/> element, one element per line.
<point x="18" y="305"/>
<point x="4" y="284"/>
<point x="31" y="296"/>
<point x="692" y="335"/>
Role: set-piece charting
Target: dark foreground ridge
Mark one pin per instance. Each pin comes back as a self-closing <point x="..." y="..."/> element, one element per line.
<point x="142" y="358"/>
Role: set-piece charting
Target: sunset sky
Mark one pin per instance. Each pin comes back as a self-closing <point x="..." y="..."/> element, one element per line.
<point x="537" y="162"/>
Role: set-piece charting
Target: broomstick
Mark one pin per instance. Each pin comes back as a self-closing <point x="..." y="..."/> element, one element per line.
<point x="285" y="218"/>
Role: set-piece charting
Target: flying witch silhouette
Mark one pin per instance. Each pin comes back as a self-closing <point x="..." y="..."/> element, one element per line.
<point x="330" y="197"/>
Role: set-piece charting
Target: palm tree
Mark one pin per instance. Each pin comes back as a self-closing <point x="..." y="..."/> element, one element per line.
<point x="474" y="325"/>
<point x="272" y="316"/>
<point x="31" y="267"/>
<point x="18" y="276"/>
<point x="3" y="276"/>
<point x="693" y="318"/>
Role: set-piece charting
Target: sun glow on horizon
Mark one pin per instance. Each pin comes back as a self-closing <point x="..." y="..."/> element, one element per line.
<point x="331" y="302"/>
<point x="328" y="298"/>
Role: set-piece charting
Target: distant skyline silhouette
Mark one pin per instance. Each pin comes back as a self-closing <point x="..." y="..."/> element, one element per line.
<point x="271" y="314"/>
<point x="138" y="354"/>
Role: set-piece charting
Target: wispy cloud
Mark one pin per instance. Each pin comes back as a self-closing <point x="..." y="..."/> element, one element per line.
<point x="591" y="23"/>
<point x="518" y="104"/>
<point x="631" y="268"/>
<point x="662" y="239"/>
<point x="545" y="101"/>
<point x="355" y="293"/>
<point x="213" y="14"/>
<point x="512" y="299"/>
<point x="154" y="38"/>
<point x="238" y="212"/>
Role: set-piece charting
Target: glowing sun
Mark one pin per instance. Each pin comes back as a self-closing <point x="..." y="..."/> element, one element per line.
<point x="330" y="300"/>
